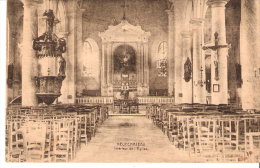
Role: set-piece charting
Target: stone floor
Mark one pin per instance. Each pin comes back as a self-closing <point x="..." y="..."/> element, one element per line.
<point x="130" y="139"/>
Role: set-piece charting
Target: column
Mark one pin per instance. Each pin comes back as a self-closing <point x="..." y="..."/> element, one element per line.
<point x="109" y="69"/>
<point x="29" y="60"/>
<point x="198" y="67"/>
<point x="112" y="62"/>
<point x="103" y="81"/>
<point x="14" y="46"/>
<point x="104" y="71"/>
<point x="187" y="90"/>
<point x="142" y="63"/>
<point x="72" y="50"/>
<point x="109" y="61"/>
<point x="249" y="54"/>
<point x="178" y="27"/>
<point x="105" y="64"/>
<point x="146" y="69"/>
<point x="220" y="86"/>
<point x="138" y="65"/>
<point x="16" y="62"/>
<point x="170" y="52"/>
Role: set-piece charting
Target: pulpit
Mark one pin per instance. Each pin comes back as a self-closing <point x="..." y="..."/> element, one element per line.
<point x="51" y="64"/>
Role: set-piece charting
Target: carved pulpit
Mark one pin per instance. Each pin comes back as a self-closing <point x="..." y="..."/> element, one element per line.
<point x="51" y="64"/>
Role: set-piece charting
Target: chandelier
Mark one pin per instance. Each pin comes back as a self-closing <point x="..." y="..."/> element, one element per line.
<point x="51" y="64"/>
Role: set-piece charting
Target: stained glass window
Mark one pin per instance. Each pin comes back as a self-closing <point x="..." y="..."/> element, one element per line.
<point x="162" y="62"/>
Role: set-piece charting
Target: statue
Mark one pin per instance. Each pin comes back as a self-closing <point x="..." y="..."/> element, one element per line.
<point x="216" y="48"/>
<point x="62" y="66"/>
<point x="187" y="70"/>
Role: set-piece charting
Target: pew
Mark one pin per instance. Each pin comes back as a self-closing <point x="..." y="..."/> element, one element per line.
<point x="63" y="129"/>
<point x="213" y="133"/>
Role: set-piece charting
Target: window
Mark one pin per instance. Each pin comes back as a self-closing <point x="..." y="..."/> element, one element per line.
<point x="87" y="67"/>
<point x="161" y="61"/>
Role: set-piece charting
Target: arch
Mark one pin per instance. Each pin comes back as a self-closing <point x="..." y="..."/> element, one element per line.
<point x="162" y="50"/>
<point x="158" y="85"/>
<point x="89" y="65"/>
<point x="207" y="26"/>
<point x="204" y="7"/>
<point x="200" y="7"/>
<point x="189" y="13"/>
<point x="61" y="14"/>
<point x="91" y="58"/>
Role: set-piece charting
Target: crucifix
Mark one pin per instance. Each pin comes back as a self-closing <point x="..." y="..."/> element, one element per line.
<point x="124" y="9"/>
<point x="216" y="48"/>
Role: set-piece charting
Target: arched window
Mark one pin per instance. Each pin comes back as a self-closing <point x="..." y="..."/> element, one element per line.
<point x="87" y="67"/>
<point x="161" y="61"/>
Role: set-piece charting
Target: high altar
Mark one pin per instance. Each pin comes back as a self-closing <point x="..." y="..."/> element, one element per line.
<point x="124" y="60"/>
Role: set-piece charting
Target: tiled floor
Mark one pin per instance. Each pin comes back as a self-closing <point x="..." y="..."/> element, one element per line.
<point x="130" y="139"/>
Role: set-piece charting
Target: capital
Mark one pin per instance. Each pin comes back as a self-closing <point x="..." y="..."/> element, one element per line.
<point x="169" y="12"/>
<point x="31" y="3"/>
<point x="217" y="3"/>
<point x="196" y="22"/>
<point x="186" y="34"/>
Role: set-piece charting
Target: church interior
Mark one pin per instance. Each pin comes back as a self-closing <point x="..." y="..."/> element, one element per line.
<point x="113" y="80"/>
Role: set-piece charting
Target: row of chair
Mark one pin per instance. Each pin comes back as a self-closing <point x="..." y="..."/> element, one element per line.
<point x="211" y="133"/>
<point x="50" y="134"/>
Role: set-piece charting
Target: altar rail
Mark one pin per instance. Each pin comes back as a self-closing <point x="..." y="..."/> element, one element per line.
<point x="94" y="100"/>
<point x="155" y="100"/>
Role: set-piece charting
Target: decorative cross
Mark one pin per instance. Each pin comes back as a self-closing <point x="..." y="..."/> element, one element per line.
<point x="216" y="48"/>
<point x="124" y="9"/>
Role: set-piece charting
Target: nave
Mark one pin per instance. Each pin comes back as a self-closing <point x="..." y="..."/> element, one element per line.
<point x="130" y="139"/>
<point x="99" y="87"/>
<point x="81" y="133"/>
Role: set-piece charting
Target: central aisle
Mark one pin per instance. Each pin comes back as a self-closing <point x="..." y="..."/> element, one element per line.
<point x="130" y="139"/>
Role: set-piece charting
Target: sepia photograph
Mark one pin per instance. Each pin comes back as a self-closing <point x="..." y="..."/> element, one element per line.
<point x="132" y="81"/>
